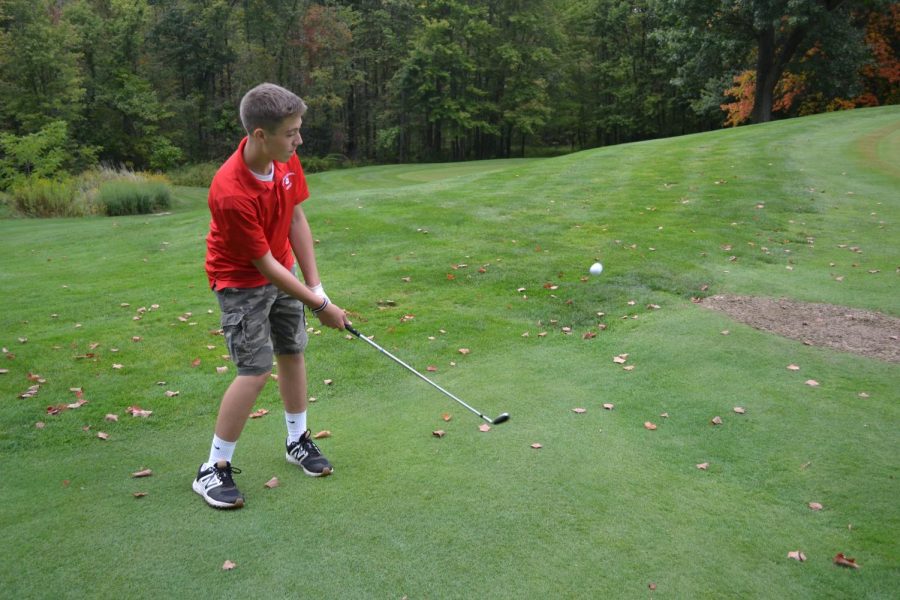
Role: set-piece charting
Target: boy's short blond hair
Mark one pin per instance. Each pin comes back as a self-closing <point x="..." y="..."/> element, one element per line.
<point x="267" y="105"/>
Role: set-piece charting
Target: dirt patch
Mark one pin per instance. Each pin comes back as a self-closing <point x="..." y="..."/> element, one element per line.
<point x="863" y="332"/>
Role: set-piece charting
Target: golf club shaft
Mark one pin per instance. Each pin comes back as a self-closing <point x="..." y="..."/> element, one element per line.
<point x="413" y="371"/>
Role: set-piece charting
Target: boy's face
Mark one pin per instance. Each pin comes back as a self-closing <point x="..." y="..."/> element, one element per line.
<point x="282" y="144"/>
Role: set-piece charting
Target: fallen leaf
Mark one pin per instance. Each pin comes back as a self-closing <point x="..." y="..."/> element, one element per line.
<point x="228" y="565"/>
<point x="536" y="446"/>
<point x="620" y="359"/>
<point x="464" y="351"/>
<point x="716" y="421"/>
<point x="793" y="367"/>
<point x="652" y="586"/>
<point x="446" y="416"/>
<point x="139" y="494"/>
<point x="431" y="368"/>
<point x="322" y="434"/>
<point x="328" y="381"/>
<point x="272" y="483"/>
<point x="845" y="561"/>
<point x="725" y="332"/>
<point x="112" y="418"/>
<point x="588" y="335"/>
<point x="609" y="406"/>
<point x="142" y="473"/>
<point x="259" y="413"/>
<point x="703" y="466"/>
<point x="811" y="383"/>
<point x="221" y="370"/>
<point x="102" y="435"/>
<point x="815" y="506"/>
<point x="579" y="410"/>
<point x="439" y="433"/>
<point x="740" y="410"/>
<point x="40" y="425"/>
<point x="797" y="555"/>
<point x="664" y="415"/>
<point x="863" y="395"/>
<point x="628" y="368"/>
<point x="195" y="363"/>
<point x="137" y="411"/>
<point x="649" y="425"/>
<point x="484" y="427"/>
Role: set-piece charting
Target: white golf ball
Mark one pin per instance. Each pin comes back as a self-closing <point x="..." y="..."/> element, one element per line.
<point x="596" y="268"/>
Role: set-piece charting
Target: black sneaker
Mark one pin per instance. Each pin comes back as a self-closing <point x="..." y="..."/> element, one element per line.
<point x="217" y="487"/>
<point x="305" y="454"/>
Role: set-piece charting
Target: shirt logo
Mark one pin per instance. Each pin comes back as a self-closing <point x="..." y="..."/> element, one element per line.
<point x="286" y="181"/>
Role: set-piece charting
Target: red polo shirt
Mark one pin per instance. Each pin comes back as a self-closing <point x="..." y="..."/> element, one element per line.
<point x="249" y="218"/>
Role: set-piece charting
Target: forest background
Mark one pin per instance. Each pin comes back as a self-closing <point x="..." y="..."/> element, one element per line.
<point x="154" y="84"/>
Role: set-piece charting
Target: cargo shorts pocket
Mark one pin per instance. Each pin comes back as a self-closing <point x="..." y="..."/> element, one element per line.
<point x="233" y="329"/>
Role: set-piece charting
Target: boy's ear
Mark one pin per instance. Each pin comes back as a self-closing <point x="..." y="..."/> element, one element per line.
<point x="258" y="134"/>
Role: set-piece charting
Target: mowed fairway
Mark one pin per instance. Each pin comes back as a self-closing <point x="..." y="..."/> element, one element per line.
<point x="492" y="258"/>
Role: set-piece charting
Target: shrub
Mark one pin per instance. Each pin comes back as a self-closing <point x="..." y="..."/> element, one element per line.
<point x="133" y="197"/>
<point x="39" y="197"/>
<point x="198" y="175"/>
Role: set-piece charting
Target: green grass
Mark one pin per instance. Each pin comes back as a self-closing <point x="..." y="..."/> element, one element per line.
<point x="604" y="509"/>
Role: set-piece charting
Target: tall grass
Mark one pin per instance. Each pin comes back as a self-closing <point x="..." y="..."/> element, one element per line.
<point x="134" y="198"/>
<point x="38" y="197"/>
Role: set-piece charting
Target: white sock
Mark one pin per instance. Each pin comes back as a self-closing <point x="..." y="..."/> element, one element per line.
<point x="296" y="425"/>
<point x="220" y="450"/>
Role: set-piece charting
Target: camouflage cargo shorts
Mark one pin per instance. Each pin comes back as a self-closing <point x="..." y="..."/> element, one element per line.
<point x="260" y="323"/>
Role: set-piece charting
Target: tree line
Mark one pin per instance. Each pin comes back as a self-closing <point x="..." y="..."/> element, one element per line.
<point x="153" y="84"/>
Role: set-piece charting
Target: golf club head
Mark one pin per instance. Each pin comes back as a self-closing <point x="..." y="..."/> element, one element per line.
<point x="501" y="418"/>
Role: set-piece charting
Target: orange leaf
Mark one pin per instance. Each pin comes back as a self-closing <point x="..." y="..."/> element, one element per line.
<point x="272" y="483"/>
<point x="703" y="466"/>
<point x="322" y="434"/>
<point x="446" y="416"/>
<point x="142" y="473"/>
<point x="259" y="413"/>
<point x="139" y="494"/>
<point x="649" y="425"/>
<point x="431" y="368"/>
<point x="845" y="561"/>
<point x="195" y="362"/>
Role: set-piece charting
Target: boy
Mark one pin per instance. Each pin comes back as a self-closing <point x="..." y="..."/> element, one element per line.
<point x="257" y="220"/>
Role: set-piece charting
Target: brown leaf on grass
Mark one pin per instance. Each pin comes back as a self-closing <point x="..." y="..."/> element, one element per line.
<point x="259" y="413"/>
<point x="579" y="410"/>
<point x="649" y="426"/>
<point x="439" y="433"/>
<point x="4" y="371"/>
<point x="815" y="506"/>
<point x="716" y="420"/>
<point x="137" y="411"/>
<point x="484" y="427"/>
<point x="464" y="351"/>
<point x="328" y="381"/>
<point x="30" y="392"/>
<point x="793" y="367"/>
<point x="740" y="410"/>
<point x="609" y="405"/>
<point x="431" y="368"/>
<point x="272" y="483"/>
<point x="628" y="368"/>
<point x="111" y="418"/>
<point x="139" y="494"/>
<point x="322" y="434"/>
<point x="536" y="446"/>
<point x="446" y="416"/>
<point x="228" y="565"/>
<point x="196" y="362"/>
<point x="142" y="473"/>
<point x="40" y="425"/>
<point x="703" y="466"/>
<point x="171" y="393"/>
<point x="620" y="359"/>
<point x="221" y="370"/>
<point x="797" y="555"/>
<point x="589" y="335"/>
<point x="845" y="561"/>
<point x="102" y="435"/>
<point x="811" y="383"/>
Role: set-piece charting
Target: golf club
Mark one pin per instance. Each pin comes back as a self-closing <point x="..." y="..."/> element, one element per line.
<point x="502" y="418"/>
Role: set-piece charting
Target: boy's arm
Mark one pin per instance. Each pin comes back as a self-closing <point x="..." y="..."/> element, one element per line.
<point x="303" y="245"/>
<point x="331" y="316"/>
